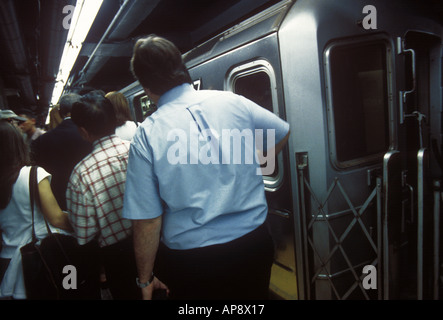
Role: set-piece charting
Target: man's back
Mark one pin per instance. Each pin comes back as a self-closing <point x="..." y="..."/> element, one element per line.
<point x="95" y="193"/>
<point x="202" y="149"/>
<point x="193" y="178"/>
<point x="58" y="151"/>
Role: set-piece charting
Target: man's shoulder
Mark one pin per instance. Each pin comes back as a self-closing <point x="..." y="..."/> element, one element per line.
<point x="63" y="130"/>
<point x="208" y="94"/>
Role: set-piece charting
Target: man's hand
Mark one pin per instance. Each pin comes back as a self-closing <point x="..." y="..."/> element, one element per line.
<point x="156" y="284"/>
<point x="146" y="241"/>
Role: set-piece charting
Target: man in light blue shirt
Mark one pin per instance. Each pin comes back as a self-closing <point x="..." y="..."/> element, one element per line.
<point x="194" y="181"/>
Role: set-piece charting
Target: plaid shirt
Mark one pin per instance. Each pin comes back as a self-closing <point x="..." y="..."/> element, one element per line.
<point x="95" y="193"/>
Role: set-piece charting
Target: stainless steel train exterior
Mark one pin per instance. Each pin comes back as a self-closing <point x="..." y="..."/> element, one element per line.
<point x="354" y="202"/>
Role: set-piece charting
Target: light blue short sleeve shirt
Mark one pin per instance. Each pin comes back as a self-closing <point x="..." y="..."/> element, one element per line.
<point x="194" y="162"/>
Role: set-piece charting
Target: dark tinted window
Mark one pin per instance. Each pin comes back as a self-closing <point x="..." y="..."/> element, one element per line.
<point x="358" y="79"/>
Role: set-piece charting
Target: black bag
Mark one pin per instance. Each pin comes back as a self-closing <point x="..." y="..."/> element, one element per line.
<point x="43" y="263"/>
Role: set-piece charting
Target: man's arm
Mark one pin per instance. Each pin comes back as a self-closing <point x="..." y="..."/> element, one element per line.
<point x="146" y="241"/>
<point x="50" y="208"/>
<point x="281" y="144"/>
<point x="271" y="156"/>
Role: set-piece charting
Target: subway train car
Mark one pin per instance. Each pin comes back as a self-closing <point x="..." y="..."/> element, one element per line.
<point x="354" y="200"/>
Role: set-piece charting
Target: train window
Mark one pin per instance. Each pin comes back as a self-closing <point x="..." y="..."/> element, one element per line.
<point x="358" y="102"/>
<point x="256" y="87"/>
<point x="256" y="81"/>
<point x="146" y="106"/>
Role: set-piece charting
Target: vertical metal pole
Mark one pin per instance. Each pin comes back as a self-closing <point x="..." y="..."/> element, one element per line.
<point x="301" y="165"/>
<point x="420" y="211"/>
<point x="385" y="256"/>
<point x="379" y="237"/>
<point x="392" y="202"/>
<point x="436" y="238"/>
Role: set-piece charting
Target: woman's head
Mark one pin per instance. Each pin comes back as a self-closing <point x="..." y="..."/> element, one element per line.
<point x="121" y="107"/>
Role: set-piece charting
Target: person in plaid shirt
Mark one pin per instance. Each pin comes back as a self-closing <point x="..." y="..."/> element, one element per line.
<point x="95" y="194"/>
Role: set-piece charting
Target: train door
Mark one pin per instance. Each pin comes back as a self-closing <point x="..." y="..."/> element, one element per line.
<point x="370" y="215"/>
<point x="342" y="219"/>
<point x="419" y="57"/>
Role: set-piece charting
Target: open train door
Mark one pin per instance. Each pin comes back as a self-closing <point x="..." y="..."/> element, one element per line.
<point x="378" y="207"/>
<point x="414" y="233"/>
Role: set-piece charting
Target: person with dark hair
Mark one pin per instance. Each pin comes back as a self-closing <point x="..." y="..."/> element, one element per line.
<point x="28" y="127"/>
<point x="15" y="209"/>
<point x="126" y="127"/>
<point x="95" y="194"/>
<point x="161" y="69"/>
<point x="66" y="102"/>
<point x="198" y="209"/>
<point x="60" y="149"/>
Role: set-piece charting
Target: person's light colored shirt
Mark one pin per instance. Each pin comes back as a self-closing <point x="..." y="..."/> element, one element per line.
<point x="16" y="226"/>
<point x="95" y="191"/>
<point x="189" y="162"/>
<point x="126" y="131"/>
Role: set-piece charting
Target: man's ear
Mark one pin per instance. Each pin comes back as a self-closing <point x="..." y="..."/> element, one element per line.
<point x="152" y="96"/>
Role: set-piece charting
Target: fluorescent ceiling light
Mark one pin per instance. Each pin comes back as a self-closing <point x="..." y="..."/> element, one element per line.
<point x="82" y="19"/>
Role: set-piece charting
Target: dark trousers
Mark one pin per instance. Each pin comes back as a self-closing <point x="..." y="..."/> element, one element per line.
<point x="239" y="269"/>
<point x="4" y="263"/>
<point x="120" y="268"/>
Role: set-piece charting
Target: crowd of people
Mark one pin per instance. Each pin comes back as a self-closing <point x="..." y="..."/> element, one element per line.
<point x="193" y="231"/>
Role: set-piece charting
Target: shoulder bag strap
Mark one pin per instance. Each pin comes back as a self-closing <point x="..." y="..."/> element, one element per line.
<point x="32" y="181"/>
<point x="36" y="196"/>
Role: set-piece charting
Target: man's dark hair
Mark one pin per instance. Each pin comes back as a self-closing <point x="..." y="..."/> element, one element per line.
<point x="158" y="65"/>
<point x="27" y="113"/>
<point x="66" y="102"/>
<point x="95" y="113"/>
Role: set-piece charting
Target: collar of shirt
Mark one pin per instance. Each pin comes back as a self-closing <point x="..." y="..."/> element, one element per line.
<point x="174" y="93"/>
<point x="104" y="141"/>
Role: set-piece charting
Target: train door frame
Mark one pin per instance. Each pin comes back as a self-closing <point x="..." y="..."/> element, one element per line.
<point x="284" y="283"/>
<point x="420" y="122"/>
<point x="329" y="196"/>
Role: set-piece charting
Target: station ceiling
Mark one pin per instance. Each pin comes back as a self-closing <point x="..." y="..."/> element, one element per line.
<point x="32" y="38"/>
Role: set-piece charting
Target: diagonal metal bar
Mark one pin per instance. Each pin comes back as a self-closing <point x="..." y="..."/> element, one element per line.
<point x="356" y="214"/>
<point x="349" y="228"/>
<point x="321" y="205"/>
<point x="355" y="284"/>
<point x="357" y="218"/>
<point x="323" y="267"/>
<point x="345" y="256"/>
<point x="354" y="273"/>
